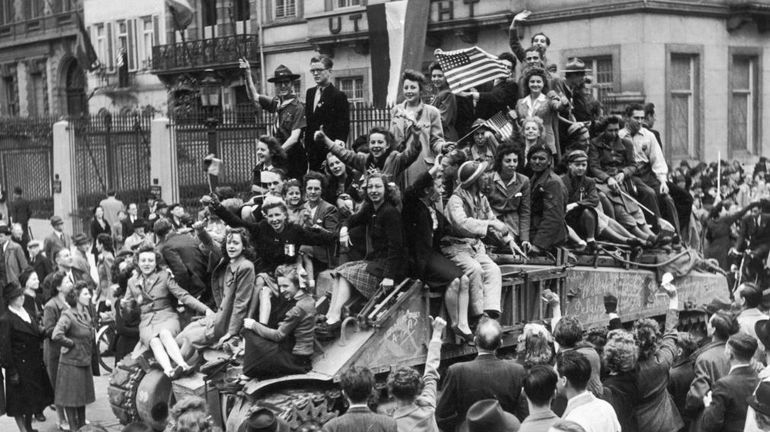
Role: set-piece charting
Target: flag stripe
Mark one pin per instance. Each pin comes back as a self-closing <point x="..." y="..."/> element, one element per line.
<point x="470" y="67"/>
<point x="380" y="58"/>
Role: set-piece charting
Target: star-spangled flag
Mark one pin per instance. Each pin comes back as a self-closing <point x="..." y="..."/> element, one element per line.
<point x="500" y="124"/>
<point x="467" y="68"/>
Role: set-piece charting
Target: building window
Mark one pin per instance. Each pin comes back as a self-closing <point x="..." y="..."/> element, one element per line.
<point x="63" y="5"/>
<point x="6" y="11"/>
<point x="148" y="40"/>
<point x="242" y="11"/>
<point x="126" y="40"/>
<point x="11" y="95"/>
<point x="348" y="3"/>
<point x="744" y="104"/>
<point x="285" y="8"/>
<point x="38" y="98"/>
<point x="209" y="16"/>
<point x="101" y="43"/>
<point x="603" y="76"/>
<point x="353" y="87"/>
<point x="684" y="103"/>
<point x="33" y="8"/>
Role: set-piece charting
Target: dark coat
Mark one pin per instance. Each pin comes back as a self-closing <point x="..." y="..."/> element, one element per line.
<point x="276" y="248"/>
<point x="43" y="268"/>
<point x="328" y="217"/>
<point x="22" y="358"/>
<point x="657" y="412"/>
<point x="333" y="113"/>
<point x="420" y="238"/>
<point x="53" y="244"/>
<point x="359" y="419"/>
<point x="21" y="211"/>
<point x="502" y="97"/>
<point x="186" y="260"/>
<point x="727" y="412"/>
<point x="622" y="393"/>
<point x="486" y="377"/>
<point x="757" y="237"/>
<point x="76" y="336"/>
<point x="385" y="240"/>
<point x="15" y="261"/>
<point x="97" y="229"/>
<point x="711" y="364"/>
<point x="77" y="274"/>
<point x="126" y="330"/>
<point x="679" y="378"/>
<point x="549" y="204"/>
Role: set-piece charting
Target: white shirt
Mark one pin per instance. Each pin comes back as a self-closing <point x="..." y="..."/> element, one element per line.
<point x="595" y="415"/>
<point x="647" y="150"/>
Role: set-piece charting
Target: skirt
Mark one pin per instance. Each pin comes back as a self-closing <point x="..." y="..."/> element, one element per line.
<point x="440" y="271"/>
<point x="74" y="386"/>
<point x="264" y="358"/>
<point x="355" y="273"/>
<point x="153" y="322"/>
<point x="33" y="393"/>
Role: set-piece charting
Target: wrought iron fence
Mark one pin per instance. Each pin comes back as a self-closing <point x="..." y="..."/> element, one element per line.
<point x="112" y="152"/>
<point x="26" y="160"/>
<point x="236" y="134"/>
<point x="204" y="52"/>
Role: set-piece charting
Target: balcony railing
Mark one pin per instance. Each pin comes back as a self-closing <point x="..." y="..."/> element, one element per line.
<point x="204" y="53"/>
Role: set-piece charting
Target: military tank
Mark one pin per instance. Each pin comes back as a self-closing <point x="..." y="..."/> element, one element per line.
<point x="393" y="329"/>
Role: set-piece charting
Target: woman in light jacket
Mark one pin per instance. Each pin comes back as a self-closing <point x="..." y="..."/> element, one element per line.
<point x="509" y="194"/>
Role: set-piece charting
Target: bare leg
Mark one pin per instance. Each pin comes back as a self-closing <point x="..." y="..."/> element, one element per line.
<point x="340" y="296"/>
<point x="160" y="356"/>
<point x="21" y="424"/>
<point x="463" y="300"/>
<point x="265" y="307"/>
<point x="172" y="348"/>
<point x="450" y="300"/>
<point x="573" y="236"/>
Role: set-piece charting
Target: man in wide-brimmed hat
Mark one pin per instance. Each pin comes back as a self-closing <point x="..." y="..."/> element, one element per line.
<point x="471" y="219"/>
<point x="290" y="113"/>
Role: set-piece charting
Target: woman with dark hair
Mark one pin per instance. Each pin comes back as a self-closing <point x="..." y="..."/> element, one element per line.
<point x="424" y="226"/>
<point x="443" y="99"/>
<point x="28" y="388"/>
<point x="292" y="196"/>
<point x="75" y="379"/>
<point x="450" y="164"/>
<point x="717" y="231"/>
<point x="620" y="357"/>
<point x="155" y="292"/>
<point x="382" y="155"/>
<point x="548" y="202"/>
<point x="61" y="284"/>
<point x="383" y="265"/>
<point x="286" y="348"/>
<point x="541" y="102"/>
<point x="413" y="118"/>
<point x="509" y="195"/>
<point x="232" y="287"/>
<point x="340" y="188"/>
<point x="99" y="225"/>
<point x="270" y="155"/>
<point x="656" y="411"/>
<point x="126" y="319"/>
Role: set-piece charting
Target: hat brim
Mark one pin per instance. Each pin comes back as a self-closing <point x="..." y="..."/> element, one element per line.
<point x="480" y="170"/>
<point x="510" y="422"/>
<point x="292" y="77"/>
<point x="584" y="71"/>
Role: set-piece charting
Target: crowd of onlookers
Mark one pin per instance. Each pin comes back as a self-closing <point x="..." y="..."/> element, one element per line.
<point x="523" y="166"/>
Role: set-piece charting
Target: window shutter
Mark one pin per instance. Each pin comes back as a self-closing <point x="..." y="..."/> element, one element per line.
<point x="329" y="5"/>
<point x="155" y="30"/>
<point x="110" y="60"/>
<point x="130" y="24"/>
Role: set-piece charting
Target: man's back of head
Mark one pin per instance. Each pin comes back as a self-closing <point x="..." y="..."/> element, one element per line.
<point x="741" y="347"/>
<point x="357" y="383"/>
<point x="162" y="227"/>
<point x="489" y="335"/>
<point x="573" y="367"/>
<point x="540" y="385"/>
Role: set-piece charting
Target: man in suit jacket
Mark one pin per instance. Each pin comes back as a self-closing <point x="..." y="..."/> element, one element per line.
<point x="21" y="211"/>
<point x="15" y="261"/>
<point x="754" y="235"/>
<point x="726" y="405"/>
<point x="486" y="377"/>
<point x="63" y="260"/>
<point x="111" y="207"/>
<point x="357" y="384"/>
<point x="57" y="240"/>
<point x="184" y="257"/>
<point x="327" y="107"/>
<point x="39" y="262"/>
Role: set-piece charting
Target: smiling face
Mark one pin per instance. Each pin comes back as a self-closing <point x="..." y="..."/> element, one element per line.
<point x="509" y="163"/>
<point x="276" y="217"/>
<point x="540" y="41"/>
<point x="539" y="161"/>
<point x="411" y="91"/>
<point x="33" y="282"/>
<point x="535" y="84"/>
<point x="578" y="168"/>
<point x="147" y="263"/>
<point x="313" y="191"/>
<point x="287" y="288"/>
<point x="531" y="131"/>
<point x="99" y="213"/>
<point x="283" y="88"/>
<point x="438" y="79"/>
<point x="336" y="167"/>
<point x="293" y="196"/>
<point x="263" y="153"/>
<point x="375" y="190"/>
<point x="377" y="144"/>
<point x="234" y="245"/>
<point x="532" y="57"/>
<point x="320" y="74"/>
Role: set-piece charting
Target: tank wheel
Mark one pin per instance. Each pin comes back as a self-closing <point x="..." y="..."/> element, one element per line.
<point x="124" y="381"/>
<point x="304" y="409"/>
<point x="139" y="395"/>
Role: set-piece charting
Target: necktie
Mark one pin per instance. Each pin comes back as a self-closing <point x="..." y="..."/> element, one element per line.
<point x="317" y="98"/>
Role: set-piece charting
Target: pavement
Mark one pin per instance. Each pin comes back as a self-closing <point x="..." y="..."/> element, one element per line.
<point x="98" y="413"/>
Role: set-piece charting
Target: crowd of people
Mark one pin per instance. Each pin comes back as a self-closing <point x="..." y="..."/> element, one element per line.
<point x="429" y="196"/>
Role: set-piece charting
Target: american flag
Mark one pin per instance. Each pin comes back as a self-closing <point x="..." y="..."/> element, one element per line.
<point x="470" y="67"/>
<point x="500" y="124"/>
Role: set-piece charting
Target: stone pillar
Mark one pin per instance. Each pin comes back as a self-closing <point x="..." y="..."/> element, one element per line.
<point x="65" y="196"/>
<point x="164" y="169"/>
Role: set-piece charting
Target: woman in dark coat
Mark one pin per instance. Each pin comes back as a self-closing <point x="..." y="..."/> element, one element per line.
<point x="620" y="357"/>
<point x="75" y="332"/>
<point x="98" y="226"/>
<point x="126" y="319"/>
<point x="28" y="387"/>
<point x="717" y="232"/>
<point x="424" y="226"/>
<point x="384" y="262"/>
<point x="51" y="313"/>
